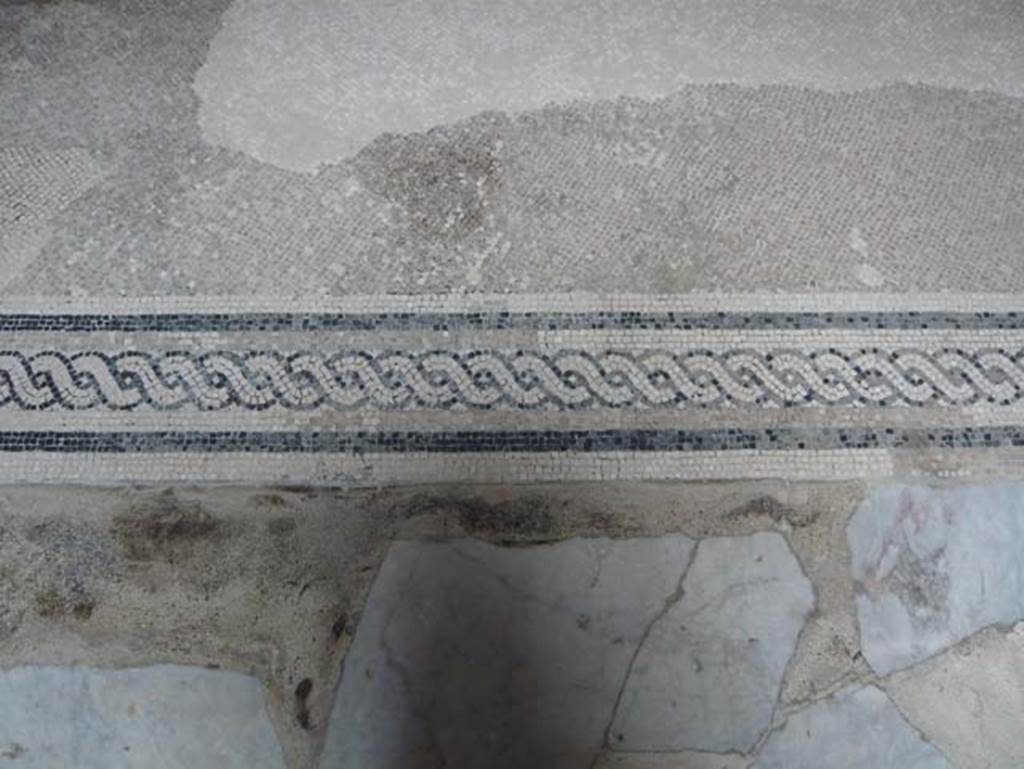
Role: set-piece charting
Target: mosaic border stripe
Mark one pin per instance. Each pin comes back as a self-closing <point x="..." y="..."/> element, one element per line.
<point x="507" y="320"/>
<point x="419" y="468"/>
<point x="513" y="441"/>
<point x="514" y="302"/>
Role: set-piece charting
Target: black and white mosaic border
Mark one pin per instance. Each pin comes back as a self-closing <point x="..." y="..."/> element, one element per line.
<point x="505" y="320"/>
<point x="519" y="379"/>
<point x="83" y="388"/>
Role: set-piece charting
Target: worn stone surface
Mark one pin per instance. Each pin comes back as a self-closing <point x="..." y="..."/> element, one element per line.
<point x="707" y="189"/>
<point x="708" y="675"/>
<point x="969" y="701"/>
<point x="271" y="581"/>
<point x="934" y="565"/>
<point x="681" y="760"/>
<point x="471" y="655"/>
<point x="362" y="73"/>
<point x="717" y="186"/>
<point x="261" y="581"/>
<point x="168" y="715"/>
<point x="854" y="729"/>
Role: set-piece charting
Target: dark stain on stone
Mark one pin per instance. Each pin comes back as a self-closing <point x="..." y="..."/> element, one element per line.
<point x="161" y="527"/>
<point x="514" y="520"/>
<point x="280" y="526"/>
<point x="52" y="605"/>
<point x="303" y="491"/>
<point x="302" y="692"/>
<point x="919" y="580"/>
<point x="771" y="507"/>
<point x="338" y="628"/>
<point x="445" y="184"/>
<point x="922" y="585"/>
<point x="82" y="610"/>
<point x="49" y="603"/>
<point x="15" y="751"/>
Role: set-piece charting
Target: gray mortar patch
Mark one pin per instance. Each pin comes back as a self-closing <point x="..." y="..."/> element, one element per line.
<point x="445" y="185"/>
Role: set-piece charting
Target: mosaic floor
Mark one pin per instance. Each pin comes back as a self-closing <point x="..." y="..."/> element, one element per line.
<point x="501" y="383"/>
<point x="693" y="280"/>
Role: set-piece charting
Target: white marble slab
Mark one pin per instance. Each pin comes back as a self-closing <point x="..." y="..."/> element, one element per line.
<point x="166" y="716"/>
<point x="858" y="728"/>
<point x="935" y="564"/>
<point x="708" y="675"/>
<point x="472" y="655"/>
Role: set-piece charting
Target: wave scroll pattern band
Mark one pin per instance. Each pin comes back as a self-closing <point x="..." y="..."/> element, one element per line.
<point x="481" y="379"/>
